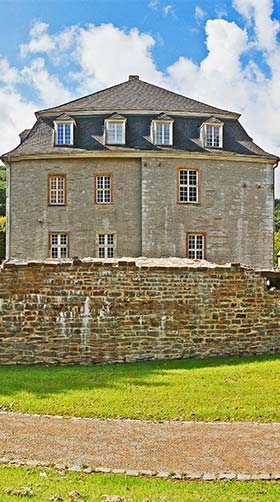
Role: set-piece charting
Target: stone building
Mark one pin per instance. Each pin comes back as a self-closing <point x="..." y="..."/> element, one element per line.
<point x="137" y="170"/>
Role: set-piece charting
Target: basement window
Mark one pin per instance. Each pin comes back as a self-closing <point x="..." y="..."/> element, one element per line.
<point x="196" y="244"/>
<point x="58" y="245"/>
<point x="106" y="245"/>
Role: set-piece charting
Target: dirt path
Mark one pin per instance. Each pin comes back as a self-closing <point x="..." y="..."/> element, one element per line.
<point x="135" y="445"/>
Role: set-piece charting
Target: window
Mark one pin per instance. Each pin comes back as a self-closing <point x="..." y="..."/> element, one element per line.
<point x="162" y="133"/>
<point x="196" y="246"/>
<point x="115" y="132"/>
<point x="188" y="185"/>
<point x="103" y="189"/>
<point x="59" y="245"/>
<point x="213" y="136"/>
<point x="57" y="189"/>
<point x="64" y="133"/>
<point x="106" y="245"/>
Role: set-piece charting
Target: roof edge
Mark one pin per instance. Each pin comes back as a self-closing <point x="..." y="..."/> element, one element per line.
<point x="270" y="159"/>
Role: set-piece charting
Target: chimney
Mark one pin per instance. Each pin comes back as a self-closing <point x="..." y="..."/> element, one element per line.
<point x="133" y="77"/>
<point x="23" y="135"/>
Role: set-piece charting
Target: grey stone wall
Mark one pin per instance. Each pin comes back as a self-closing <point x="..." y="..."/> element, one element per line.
<point x="235" y="209"/>
<point x="91" y="312"/>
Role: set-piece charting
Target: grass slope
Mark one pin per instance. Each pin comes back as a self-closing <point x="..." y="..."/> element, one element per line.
<point x="229" y="389"/>
<point x="93" y="488"/>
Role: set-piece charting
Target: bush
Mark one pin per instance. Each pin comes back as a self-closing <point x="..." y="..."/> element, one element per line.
<point x="276" y="246"/>
<point x="2" y="237"/>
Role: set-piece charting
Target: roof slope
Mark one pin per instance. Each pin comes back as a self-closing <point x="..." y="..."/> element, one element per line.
<point x="135" y="94"/>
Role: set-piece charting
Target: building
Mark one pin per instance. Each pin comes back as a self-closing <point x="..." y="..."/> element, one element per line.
<point x="137" y="170"/>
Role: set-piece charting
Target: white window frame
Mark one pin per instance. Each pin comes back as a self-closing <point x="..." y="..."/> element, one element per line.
<point x="57" y="191"/>
<point x="188" y="186"/>
<point x="101" y="190"/>
<point x="59" y="245"/>
<point x="107" y="246"/>
<point x="198" y="252"/>
<point x="109" y="123"/>
<point x="213" y="126"/>
<point x="159" y="123"/>
<point x="64" y="123"/>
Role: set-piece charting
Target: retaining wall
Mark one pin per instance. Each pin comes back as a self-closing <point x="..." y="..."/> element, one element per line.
<point x="83" y="312"/>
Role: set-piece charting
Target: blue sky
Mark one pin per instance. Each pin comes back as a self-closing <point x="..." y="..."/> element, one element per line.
<point x="224" y="52"/>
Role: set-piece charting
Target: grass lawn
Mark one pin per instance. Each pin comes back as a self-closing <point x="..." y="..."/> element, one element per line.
<point x="94" y="488"/>
<point x="229" y="389"/>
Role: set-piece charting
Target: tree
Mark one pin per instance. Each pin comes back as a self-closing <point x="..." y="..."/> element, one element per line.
<point x="2" y="191"/>
<point x="277" y="215"/>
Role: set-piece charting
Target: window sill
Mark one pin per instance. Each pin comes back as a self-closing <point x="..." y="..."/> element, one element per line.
<point x="188" y="203"/>
<point x="56" y="205"/>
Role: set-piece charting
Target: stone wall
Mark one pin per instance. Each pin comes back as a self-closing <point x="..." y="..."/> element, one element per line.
<point x="235" y="209"/>
<point x="89" y="312"/>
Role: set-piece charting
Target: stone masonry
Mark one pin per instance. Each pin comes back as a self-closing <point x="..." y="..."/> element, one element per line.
<point x="83" y="312"/>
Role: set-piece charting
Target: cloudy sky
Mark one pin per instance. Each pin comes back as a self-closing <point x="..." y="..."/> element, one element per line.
<point x="223" y="52"/>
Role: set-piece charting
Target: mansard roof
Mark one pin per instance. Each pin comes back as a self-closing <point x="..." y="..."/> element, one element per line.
<point x="135" y="94"/>
<point x="138" y="103"/>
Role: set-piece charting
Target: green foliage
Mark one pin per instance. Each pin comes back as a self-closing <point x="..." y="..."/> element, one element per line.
<point x="2" y="191"/>
<point x="276" y="246"/>
<point x="244" y="389"/>
<point x="277" y="215"/>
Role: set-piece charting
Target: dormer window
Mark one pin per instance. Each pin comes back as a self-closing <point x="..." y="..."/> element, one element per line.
<point x="212" y="133"/>
<point x="162" y="130"/>
<point x="64" y="130"/>
<point x="115" y="130"/>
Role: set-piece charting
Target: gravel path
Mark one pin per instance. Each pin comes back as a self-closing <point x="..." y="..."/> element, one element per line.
<point x="138" y="445"/>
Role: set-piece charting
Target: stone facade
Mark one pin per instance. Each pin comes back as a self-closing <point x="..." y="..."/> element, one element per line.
<point x="145" y="216"/>
<point x="83" y="312"/>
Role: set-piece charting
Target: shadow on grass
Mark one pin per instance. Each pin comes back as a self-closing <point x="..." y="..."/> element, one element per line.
<point x="43" y="381"/>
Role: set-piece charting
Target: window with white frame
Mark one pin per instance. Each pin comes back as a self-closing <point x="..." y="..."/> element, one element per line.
<point x="213" y="136"/>
<point x="196" y="246"/>
<point x="106" y="245"/>
<point x="64" y="133"/>
<point x="103" y="189"/>
<point x="57" y="189"/>
<point x="59" y="245"/>
<point x="188" y="184"/>
<point x="115" y="132"/>
<point x="163" y="132"/>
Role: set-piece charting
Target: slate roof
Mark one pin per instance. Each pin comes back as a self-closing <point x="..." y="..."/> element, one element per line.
<point x="135" y="94"/>
<point x="89" y="129"/>
<point x="89" y="136"/>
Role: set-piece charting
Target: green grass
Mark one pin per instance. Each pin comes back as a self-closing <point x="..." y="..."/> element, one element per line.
<point x="229" y="389"/>
<point x="93" y="488"/>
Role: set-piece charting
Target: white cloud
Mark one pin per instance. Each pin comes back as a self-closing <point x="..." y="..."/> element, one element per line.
<point x="199" y="14"/>
<point x="16" y="115"/>
<point x="9" y="75"/>
<point x="122" y="53"/>
<point x="40" y="40"/>
<point x="259" y="12"/>
<point x="49" y="88"/>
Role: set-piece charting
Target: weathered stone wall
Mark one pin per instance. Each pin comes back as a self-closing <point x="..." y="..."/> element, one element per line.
<point x="235" y="208"/>
<point x="88" y="312"/>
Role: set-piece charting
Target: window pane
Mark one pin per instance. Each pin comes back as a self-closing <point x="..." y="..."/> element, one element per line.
<point x="196" y="246"/>
<point x="103" y="190"/>
<point x="163" y="133"/>
<point x="64" y="134"/>
<point x="115" y="132"/>
<point x="59" y="243"/>
<point x="213" y="136"/>
<point x="188" y="185"/>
